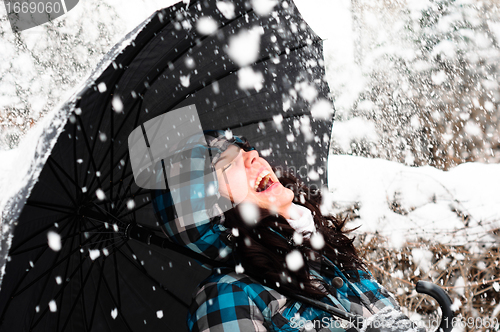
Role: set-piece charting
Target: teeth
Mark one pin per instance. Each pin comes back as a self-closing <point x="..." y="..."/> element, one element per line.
<point x="259" y="178"/>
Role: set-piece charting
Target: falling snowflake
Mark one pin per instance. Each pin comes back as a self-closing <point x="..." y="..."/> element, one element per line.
<point x="249" y="212"/>
<point x="102" y="87"/>
<point x="322" y="110"/>
<point x="117" y="104"/>
<point x="294" y="260"/>
<point x="298" y="238"/>
<point x="264" y="7"/>
<point x="54" y="240"/>
<point x="226" y="8"/>
<point x="317" y="241"/>
<point x="239" y="269"/>
<point x="100" y="194"/>
<point x="250" y="79"/>
<point x="94" y="254"/>
<point x="130" y="204"/>
<point x="52" y="306"/>
<point x="243" y="48"/>
<point x="185" y="80"/>
<point x="206" y="25"/>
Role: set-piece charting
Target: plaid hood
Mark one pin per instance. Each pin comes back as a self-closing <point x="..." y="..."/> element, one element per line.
<point x="190" y="209"/>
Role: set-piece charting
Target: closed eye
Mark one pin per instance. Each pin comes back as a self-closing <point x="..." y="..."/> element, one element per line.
<point x="226" y="167"/>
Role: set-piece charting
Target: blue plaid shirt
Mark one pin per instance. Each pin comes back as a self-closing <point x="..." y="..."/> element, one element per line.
<point x="228" y="301"/>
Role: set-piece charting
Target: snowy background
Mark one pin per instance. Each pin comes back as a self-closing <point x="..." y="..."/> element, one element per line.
<point x="416" y="139"/>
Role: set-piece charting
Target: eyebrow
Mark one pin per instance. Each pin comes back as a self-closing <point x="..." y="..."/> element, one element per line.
<point x="226" y="156"/>
<point x="221" y="158"/>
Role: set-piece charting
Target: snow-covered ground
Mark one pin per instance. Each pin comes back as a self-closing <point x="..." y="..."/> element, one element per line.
<point x="457" y="207"/>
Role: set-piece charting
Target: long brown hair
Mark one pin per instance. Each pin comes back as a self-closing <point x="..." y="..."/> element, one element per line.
<point x="262" y="248"/>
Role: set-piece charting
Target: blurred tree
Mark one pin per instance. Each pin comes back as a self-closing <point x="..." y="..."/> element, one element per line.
<point x="432" y="88"/>
<point x="40" y="65"/>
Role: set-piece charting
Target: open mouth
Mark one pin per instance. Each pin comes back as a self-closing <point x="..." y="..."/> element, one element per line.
<point x="263" y="182"/>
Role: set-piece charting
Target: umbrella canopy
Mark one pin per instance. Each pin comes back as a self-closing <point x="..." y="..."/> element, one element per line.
<point x="70" y="266"/>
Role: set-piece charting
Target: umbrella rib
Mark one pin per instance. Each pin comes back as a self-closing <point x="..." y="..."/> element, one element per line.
<point x="140" y="191"/>
<point x="113" y="298"/>
<point x="23" y="278"/>
<point x="137" y="193"/>
<point x="90" y="150"/>
<point x="124" y="156"/>
<point x="50" y="206"/>
<point x="26" y="274"/>
<point x="44" y="244"/>
<point x="82" y="260"/>
<point x="120" y="184"/>
<point x="115" y="262"/>
<point x="127" y="115"/>
<point x="66" y="271"/>
<point x="133" y="211"/>
<point x="126" y="175"/>
<point x="101" y="241"/>
<point x="75" y="163"/>
<point x="78" y="268"/>
<point x="107" y="213"/>
<point x="93" y="145"/>
<point x="120" y="206"/>
<point x="48" y="271"/>
<point x="47" y="280"/>
<point x="58" y="178"/>
<point x="145" y="272"/>
<point x="101" y="276"/>
<point x="29" y="238"/>
<point x="99" y="284"/>
<point x="51" y="160"/>
<point x="111" y="173"/>
<point x="291" y="116"/>
<point x="83" y="282"/>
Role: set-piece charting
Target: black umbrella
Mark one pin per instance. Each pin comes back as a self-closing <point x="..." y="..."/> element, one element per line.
<point x="70" y="265"/>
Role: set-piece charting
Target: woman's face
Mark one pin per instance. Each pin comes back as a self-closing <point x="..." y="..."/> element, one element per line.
<point x="244" y="176"/>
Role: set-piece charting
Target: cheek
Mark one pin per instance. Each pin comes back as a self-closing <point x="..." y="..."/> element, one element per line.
<point x="234" y="183"/>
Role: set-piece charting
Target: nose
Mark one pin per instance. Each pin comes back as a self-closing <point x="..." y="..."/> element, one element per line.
<point x="249" y="157"/>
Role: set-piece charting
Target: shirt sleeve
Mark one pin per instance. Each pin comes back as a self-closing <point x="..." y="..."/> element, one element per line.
<point x="225" y="307"/>
<point x="378" y="297"/>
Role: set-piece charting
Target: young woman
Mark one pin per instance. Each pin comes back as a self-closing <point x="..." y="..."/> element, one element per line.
<point x="269" y="230"/>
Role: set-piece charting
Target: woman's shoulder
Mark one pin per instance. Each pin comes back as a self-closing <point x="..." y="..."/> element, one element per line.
<point x="219" y="284"/>
<point x="233" y="297"/>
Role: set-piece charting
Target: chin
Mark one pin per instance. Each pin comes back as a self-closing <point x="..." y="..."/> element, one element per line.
<point x="283" y="195"/>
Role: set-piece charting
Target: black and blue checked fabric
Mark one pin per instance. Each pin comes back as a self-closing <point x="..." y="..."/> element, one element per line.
<point x="187" y="210"/>
<point x="227" y="302"/>
<point x="190" y="210"/>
